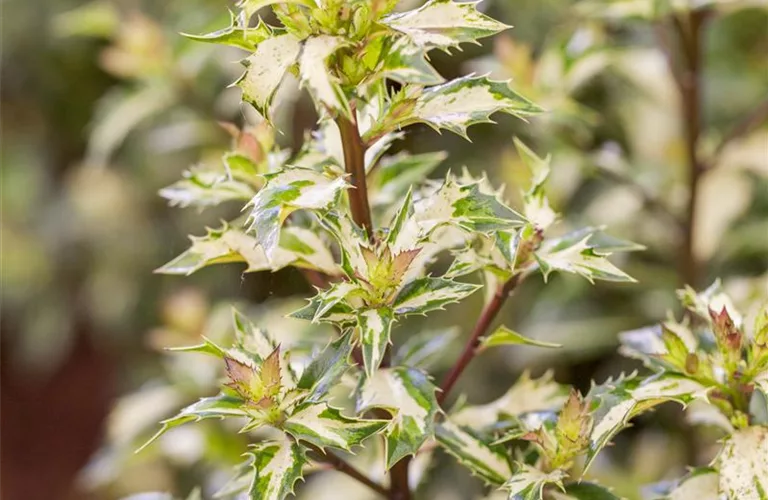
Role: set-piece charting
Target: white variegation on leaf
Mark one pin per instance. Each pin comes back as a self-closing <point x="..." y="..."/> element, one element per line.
<point x="236" y="35"/>
<point x="582" y="259"/>
<point x="221" y="406"/>
<point x="276" y="466"/>
<point x="536" y="205"/>
<point x="460" y="103"/>
<point x="527" y="395"/>
<point x="265" y="70"/>
<point x="528" y="483"/>
<point x="249" y="7"/>
<point x="699" y="484"/>
<point x="743" y="463"/>
<point x="374" y="327"/>
<point x="444" y="24"/>
<point x="615" y="403"/>
<point x="322" y="425"/>
<point x="483" y="460"/>
<point x="429" y="294"/>
<point x="285" y="192"/>
<point x="325" y="369"/>
<point x="423" y="349"/>
<point x="298" y="246"/>
<point x="203" y="188"/>
<point x="505" y="336"/>
<point x="409" y="395"/>
<point x="408" y="63"/>
<point x="315" y="74"/>
<point x="351" y="240"/>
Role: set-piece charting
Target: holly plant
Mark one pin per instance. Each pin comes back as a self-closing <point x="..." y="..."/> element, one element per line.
<point x="365" y="228"/>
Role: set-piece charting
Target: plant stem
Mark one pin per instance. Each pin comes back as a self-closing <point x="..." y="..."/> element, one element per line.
<point x="354" y="163"/>
<point x="749" y="122"/>
<point x="481" y="327"/>
<point x="400" y="488"/>
<point x="340" y="465"/>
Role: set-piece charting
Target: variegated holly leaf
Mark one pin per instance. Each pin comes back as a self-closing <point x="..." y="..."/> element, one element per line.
<point x="615" y="403"/>
<point x="582" y="259"/>
<point x="454" y="106"/>
<point x="298" y="246"/>
<point x="265" y="70"/>
<point x="351" y="240"/>
<point x="536" y="205"/>
<point x="699" y="484"/>
<point x="528" y="483"/>
<point x="339" y="312"/>
<point x="374" y="327"/>
<point x="598" y="240"/>
<point x="322" y="425"/>
<point x="429" y="294"/>
<point x="396" y="174"/>
<point x="409" y="396"/>
<point x="276" y="466"/>
<point x="203" y="188"/>
<point x="221" y="406"/>
<point x="444" y="24"/>
<point x="527" y="395"/>
<point x="487" y="462"/>
<point x="315" y="74"/>
<point x="326" y="368"/>
<point x="743" y="463"/>
<point x="236" y="35"/>
<point x="505" y="336"/>
<point x="285" y="192"/>
<point x="422" y="349"/>
<point x="407" y="63"/>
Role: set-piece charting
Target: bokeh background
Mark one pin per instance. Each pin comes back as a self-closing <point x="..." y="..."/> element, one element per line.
<point x="102" y="104"/>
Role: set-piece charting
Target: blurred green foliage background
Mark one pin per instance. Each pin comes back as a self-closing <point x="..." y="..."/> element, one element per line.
<point x="102" y="104"/>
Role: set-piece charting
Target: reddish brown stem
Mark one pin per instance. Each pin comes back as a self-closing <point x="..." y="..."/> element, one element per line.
<point x="489" y="313"/>
<point x="354" y="163"/>
<point x="340" y="465"/>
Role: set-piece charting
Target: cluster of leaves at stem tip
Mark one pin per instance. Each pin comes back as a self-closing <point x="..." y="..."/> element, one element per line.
<point x="365" y="227"/>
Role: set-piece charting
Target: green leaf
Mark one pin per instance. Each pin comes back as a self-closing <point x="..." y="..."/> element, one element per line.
<point x="615" y="403"/>
<point x="527" y="395"/>
<point x="458" y="104"/>
<point x="276" y="467"/>
<point x="429" y="294"/>
<point x="407" y="63"/>
<point x="375" y="326"/>
<point x="423" y="348"/>
<point x="598" y="240"/>
<point x="314" y="73"/>
<point x="743" y="462"/>
<point x="335" y="295"/>
<point x="220" y="406"/>
<point x="585" y="490"/>
<point x="205" y="188"/>
<point x="350" y="239"/>
<point x="326" y="368"/>
<point x="265" y="70"/>
<point x="505" y="336"/>
<point x="483" y="460"/>
<point x="444" y="24"/>
<point x="581" y="259"/>
<point x="298" y="247"/>
<point x="285" y="192"/>
<point x="528" y="483"/>
<point x="409" y="395"/>
<point x="235" y="35"/>
<point x="324" y="426"/>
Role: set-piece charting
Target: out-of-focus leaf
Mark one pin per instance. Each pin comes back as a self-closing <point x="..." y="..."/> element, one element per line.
<point x="236" y="36"/>
<point x="528" y="483"/>
<point x="326" y="368"/>
<point x="314" y="71"/>
<point x="421" y="349"/>
<point x="204" y="188"/>
<point x="581" y="259"/>
<point x="505" y="336"/>
<point x="743" y="463"/>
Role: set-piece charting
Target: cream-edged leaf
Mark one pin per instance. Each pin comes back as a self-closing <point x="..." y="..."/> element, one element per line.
<point x="444" y="24"/>
<point x="285" y="192"/>
<point x="265" y="70"/>
<point x="528" y="483"/>
<point x="423" y="349"/>
<point x="743" y="464"/>
<point x="699" y="484"/>
<point x="351" y="240"/>
<point x="236" y="36"/>
<point x="409" y="395"/>
<point x="505" y="336"/>
<point x="203" y="188"/>
<point x="482" y="459"/>
<point x="527" y="395"/>
<point x="429" y="294"/>
<point x="221" y="406"/>
<point x="322" y="425"/>
<point x="407" y="63"/>
<point x="374" y="327"/>
<point x="276" y="466"/>
<point x="326" y="368"/>
<point x="315" y="76"/>
<point x="582" y="259"/>
<point x="298" y="246"/>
